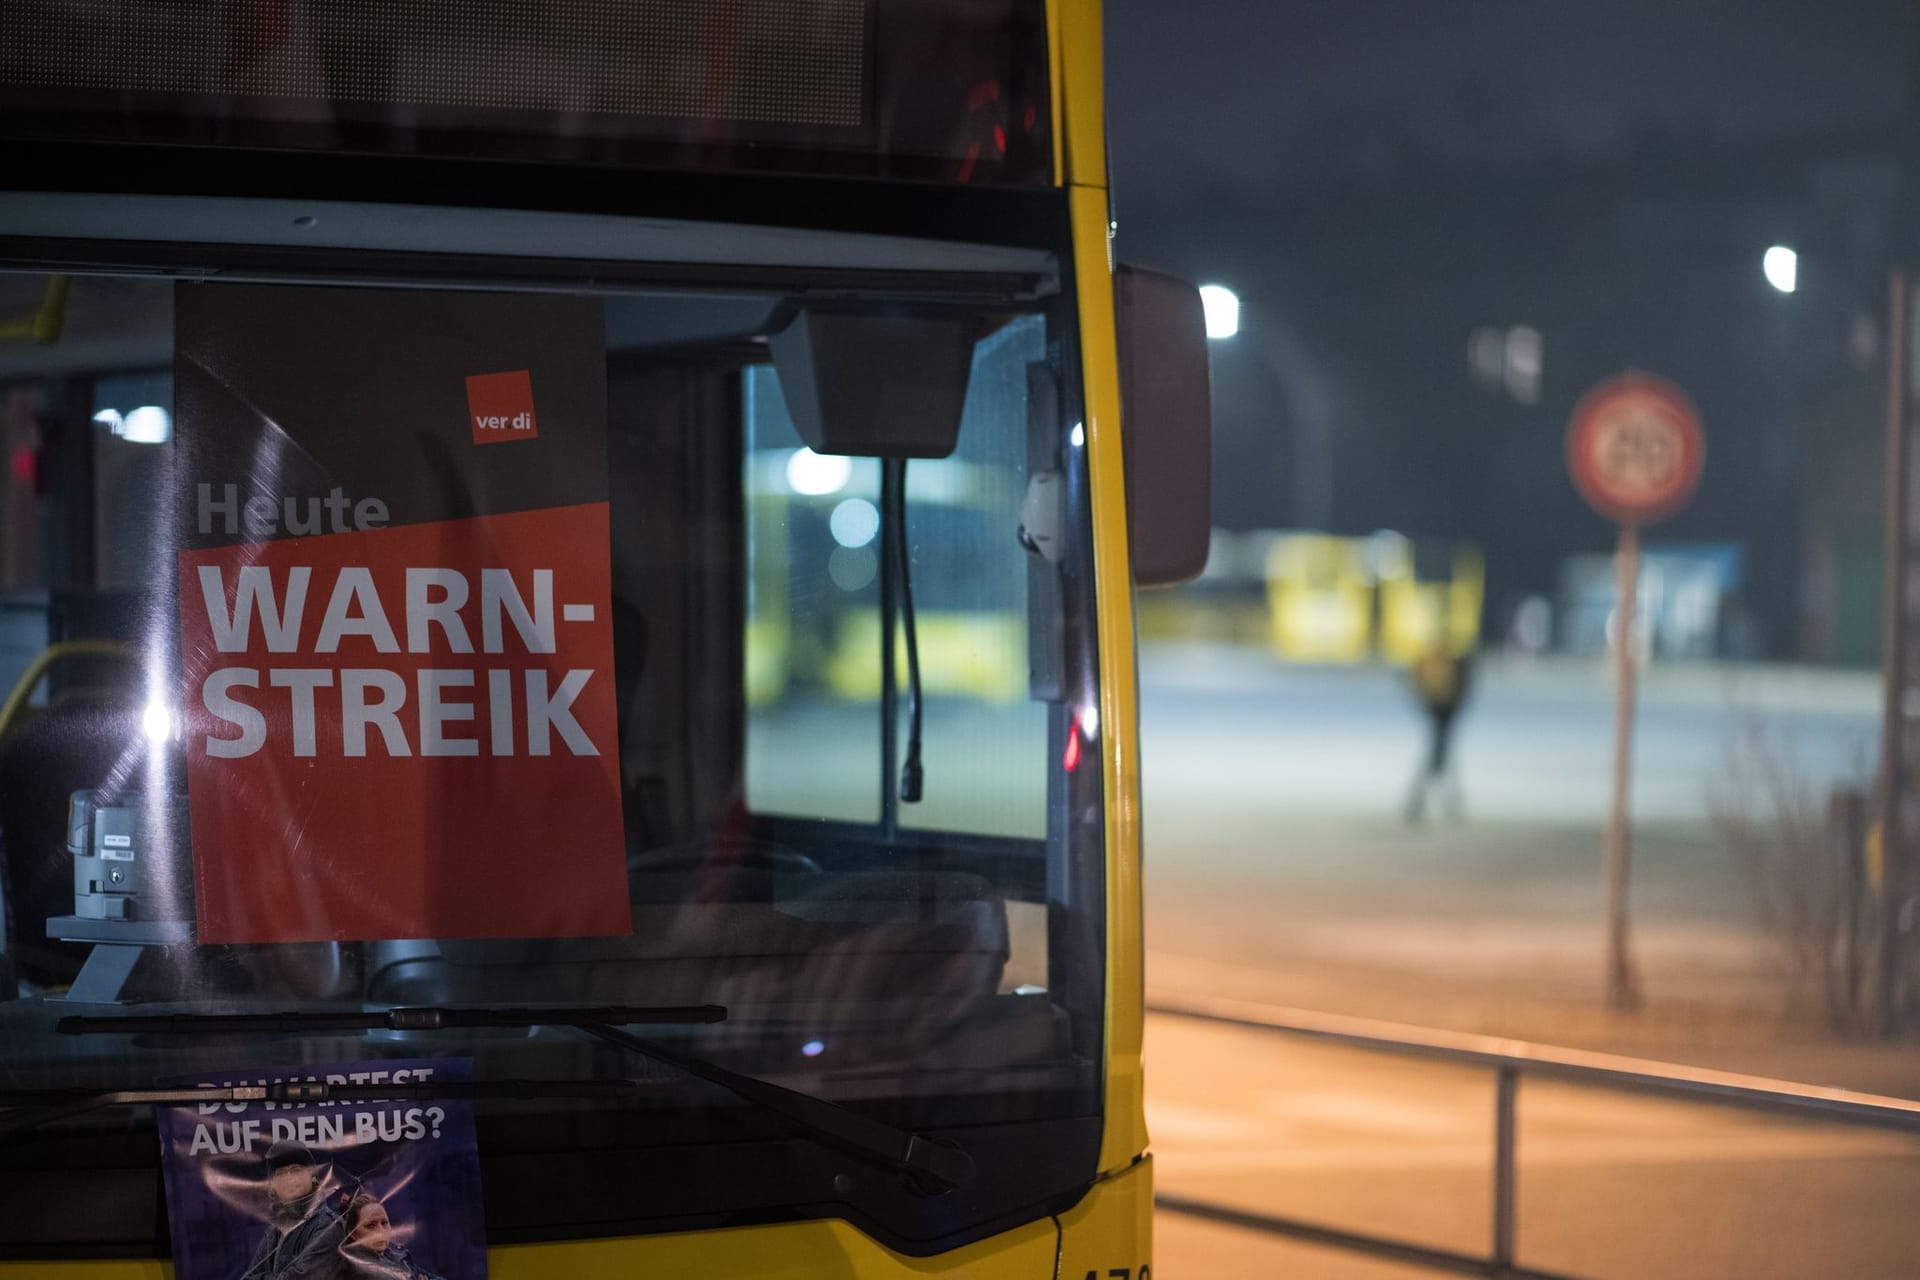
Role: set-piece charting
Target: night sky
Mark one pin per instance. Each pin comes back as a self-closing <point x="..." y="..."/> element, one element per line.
<point x="1383" y="179"/>
<point x="1246" y="96"/>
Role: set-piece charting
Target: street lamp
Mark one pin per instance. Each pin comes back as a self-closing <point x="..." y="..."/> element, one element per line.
<point x="1782" y="266"/>
<point x="1308" y="410"/>
<point x="1222" y="307"/>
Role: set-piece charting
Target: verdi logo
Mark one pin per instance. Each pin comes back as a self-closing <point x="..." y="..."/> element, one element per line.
<point x="500" y="407"/>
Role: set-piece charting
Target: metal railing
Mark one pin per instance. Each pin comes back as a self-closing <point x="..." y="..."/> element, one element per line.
<point x="1509" y="1060"/>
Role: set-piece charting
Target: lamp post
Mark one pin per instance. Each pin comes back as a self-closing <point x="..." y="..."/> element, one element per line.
<point x="1309" y="419"/>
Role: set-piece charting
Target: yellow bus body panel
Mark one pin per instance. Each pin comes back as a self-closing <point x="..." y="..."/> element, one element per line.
<point x="1125" y="1133"/>
<point x="1413" y="619"/>
<point x="1331" y="624"/>
<point x="1417" y="617"/>
<point x="1111" y="1231"/>
<point x="794" y="1251"/>
<point x="1320" y="599"/>
<point x="1082" y="95"/>
<point x="1083" y="110"/>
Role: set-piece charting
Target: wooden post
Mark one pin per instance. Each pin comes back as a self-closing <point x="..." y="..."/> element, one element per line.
<point x="1896" y="598"/>
<point x="1623" y="990"/>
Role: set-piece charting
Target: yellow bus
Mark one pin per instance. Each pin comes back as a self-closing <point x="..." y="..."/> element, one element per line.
<point x="1320" y="598"/>
<point x="1342" y="600"/>
<point x="1431" y="598"/>
<point x="416" y="858"/>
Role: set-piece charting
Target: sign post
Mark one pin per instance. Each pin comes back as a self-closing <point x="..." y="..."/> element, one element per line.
<point x="1623" y="990"/>
<point x="1900" y="723"/>
<point x="1635" y="451"/>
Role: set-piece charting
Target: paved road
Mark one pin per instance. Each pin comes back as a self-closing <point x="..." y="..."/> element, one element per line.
<point x="1231" y="730"/>
<point x="1609" y="1185"/>
<point x="1274" y="842"/>
<point x="1278" y="870"/>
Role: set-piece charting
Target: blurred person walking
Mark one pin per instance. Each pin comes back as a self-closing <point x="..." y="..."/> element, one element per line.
<point x="1440" y="681"/>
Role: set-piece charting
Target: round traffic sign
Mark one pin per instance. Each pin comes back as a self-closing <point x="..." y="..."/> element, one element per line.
<point x="1635" y="448"/>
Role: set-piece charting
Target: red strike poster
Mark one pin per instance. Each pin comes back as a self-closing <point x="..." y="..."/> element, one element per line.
<point x="394" y="607"/>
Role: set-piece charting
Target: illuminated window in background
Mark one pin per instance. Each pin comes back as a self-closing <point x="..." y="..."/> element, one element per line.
<point x="1487" y="356"/>
<point x="1512" y="360"/>
<point x="1526" y="360"/>
<point x="132" y="438"/>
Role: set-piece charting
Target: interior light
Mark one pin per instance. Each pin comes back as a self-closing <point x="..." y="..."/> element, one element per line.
<point x="149" y="424"/>
<point x="817" y="474"/>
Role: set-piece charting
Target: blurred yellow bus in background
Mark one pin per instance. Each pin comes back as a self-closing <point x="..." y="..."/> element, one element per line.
<point x="1388" y="597"/>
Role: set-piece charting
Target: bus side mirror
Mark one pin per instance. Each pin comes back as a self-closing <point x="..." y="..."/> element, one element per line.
<point x="1166" y="424"/>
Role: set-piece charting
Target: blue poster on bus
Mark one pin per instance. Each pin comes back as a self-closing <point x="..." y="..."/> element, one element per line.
<point x="376" y="1190"/>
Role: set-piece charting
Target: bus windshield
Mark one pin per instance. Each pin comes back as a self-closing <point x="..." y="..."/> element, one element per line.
<point x="385" y="643"/>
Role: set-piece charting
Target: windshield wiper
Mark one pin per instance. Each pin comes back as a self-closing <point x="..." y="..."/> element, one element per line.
<point x="931" y="1166"/>
<point x="404" y="1018"/>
